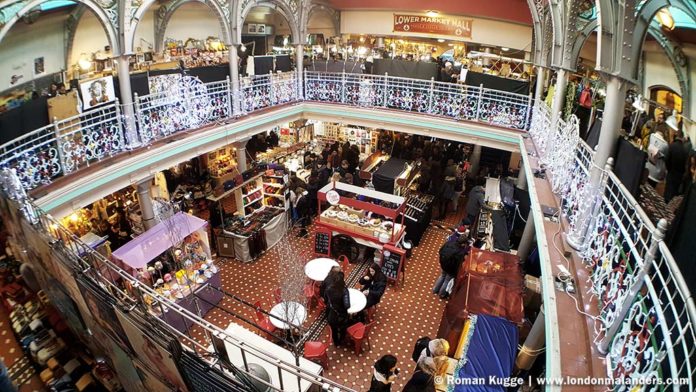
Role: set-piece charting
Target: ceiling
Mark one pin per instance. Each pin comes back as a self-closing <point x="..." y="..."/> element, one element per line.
<point x="508" y="10"/>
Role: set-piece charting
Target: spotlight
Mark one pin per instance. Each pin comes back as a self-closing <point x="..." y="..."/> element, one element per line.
<point x="432" y="13"/>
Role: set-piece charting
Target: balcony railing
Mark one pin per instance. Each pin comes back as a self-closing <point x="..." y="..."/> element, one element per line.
<point x="645" y="310"/>
<point x="451" y="100"/>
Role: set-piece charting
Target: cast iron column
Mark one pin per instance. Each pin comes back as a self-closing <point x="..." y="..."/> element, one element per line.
<point x="475" y="159"/>
<point x="527" y="240"/>
<point x="611" y="124"/>
<point x="299" y="66"/>
<point x="146" y="203"/>
<point x="539" y="92"/>
<point x="234" y="77"/>
<point x="535" y="342"/>
<point x="124" y="86"/>
<point x="559" y="96"/>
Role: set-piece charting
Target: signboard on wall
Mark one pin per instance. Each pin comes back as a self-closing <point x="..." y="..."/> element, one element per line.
<point x="96" y="92"/>
<point x="441" y="25"/>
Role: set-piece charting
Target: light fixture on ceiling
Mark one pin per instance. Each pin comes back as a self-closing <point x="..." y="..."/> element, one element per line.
<point x="243" y="48"/>
<point x="362" y="39"/>
<point x="440" y="40"/>
<point x="505" y="49"/>
<point x="432" y="13"/>
<point x="665" y="18"/>
<point x="85" y="63"/>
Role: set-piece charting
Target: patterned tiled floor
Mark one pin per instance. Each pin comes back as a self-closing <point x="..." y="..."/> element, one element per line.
<point x="406" y="312"/>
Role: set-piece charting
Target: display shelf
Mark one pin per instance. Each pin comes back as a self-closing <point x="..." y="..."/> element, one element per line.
<point x="273" y="185"/>
<point x="254" y="201"/>
<point x="252" y="191"/>
<point x="275" y="195"/>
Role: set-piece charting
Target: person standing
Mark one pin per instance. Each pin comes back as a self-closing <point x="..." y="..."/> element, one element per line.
<point x="384" y="373"/>
<point x="657" y="155"/>
<point x="338" y="302"/>
<point x="451" y="255"/>
<point x="475" y="202"/>
<point x="676" y="166"/>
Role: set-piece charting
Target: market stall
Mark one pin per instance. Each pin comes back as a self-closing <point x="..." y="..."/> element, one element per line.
<point x="255" y="233"/>
<point x="183" y="277"/>
<point x="489" y="283"/>
<point x="395" y="176"/>
<point x="368" y="217"/>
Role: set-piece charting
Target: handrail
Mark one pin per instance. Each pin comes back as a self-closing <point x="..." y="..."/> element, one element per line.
<point x="98" y="267"/>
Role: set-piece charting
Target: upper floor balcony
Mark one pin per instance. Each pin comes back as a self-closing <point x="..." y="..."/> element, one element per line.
<point x="632" y="315"/>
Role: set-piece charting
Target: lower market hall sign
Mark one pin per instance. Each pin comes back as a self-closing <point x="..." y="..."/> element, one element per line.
<point x="457" y="27"/>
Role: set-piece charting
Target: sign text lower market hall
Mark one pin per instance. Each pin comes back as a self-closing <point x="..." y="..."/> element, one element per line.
<point x="457" y="27"/>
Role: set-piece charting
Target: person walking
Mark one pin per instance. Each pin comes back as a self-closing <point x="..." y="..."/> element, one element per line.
<point x="384" y="373"/>
<point x="451" y="255"/>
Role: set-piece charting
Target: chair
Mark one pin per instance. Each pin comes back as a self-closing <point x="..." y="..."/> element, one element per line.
<point x="263" y="322"/>
<point x="343" y="262"/>
<point x="310" y="293"/>
<point x="277" y="296"/>
<point x="318" y="351"/>
<point x="358" y="333"/>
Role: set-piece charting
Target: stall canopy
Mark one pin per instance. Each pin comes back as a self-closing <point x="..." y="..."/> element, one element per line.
<point x="489" y="352"/>
<point x="383" y="179"/>
<point x="152" y="243"/>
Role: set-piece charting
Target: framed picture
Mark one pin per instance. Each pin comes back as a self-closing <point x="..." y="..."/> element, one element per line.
<point x="140" y="58"/>
<point x="96" y="92"/>
<point x="148" y="56"/>
<point x="260" y="29"/>
<point x="39" y="66"/>
<point x="251" y="28"/>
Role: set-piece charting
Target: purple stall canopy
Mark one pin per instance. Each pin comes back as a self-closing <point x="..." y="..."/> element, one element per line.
<point x="152" y="243"/>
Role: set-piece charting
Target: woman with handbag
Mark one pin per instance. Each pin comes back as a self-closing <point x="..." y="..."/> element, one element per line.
<point x="338" y="302"/>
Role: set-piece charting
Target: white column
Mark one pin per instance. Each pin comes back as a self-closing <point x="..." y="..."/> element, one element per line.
<point x="475" y="160"/>
<point x="527" y="240"/>
<point x="240" y="147"/>
<point x="536" y="340"/>
<point x="299" y="65"/>
<point x="234" y="76"/>
<point x="611" y="124"/>
<point x="539" y="92"/>
<point x="124" y="86"/>
<point x="522" y="178"/>
<point x="148" y="212"/>
<point x="559" y="96"/>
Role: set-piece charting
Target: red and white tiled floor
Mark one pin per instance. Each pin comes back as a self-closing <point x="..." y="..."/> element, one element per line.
<point x="20" y="368"/>
<point x="406" y="312"/>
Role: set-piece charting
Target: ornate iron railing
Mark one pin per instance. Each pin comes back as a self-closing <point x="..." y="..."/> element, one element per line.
<point x="646" y="313"/>
<point x="452" y="100"/>
<point x="130" y="293"/>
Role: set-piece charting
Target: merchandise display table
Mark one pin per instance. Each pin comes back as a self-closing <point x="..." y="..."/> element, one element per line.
<point x="288" y="310"/>
<point x="203" y="298"/>
<point x="272" y="221"/>
<point x="275" y="352"/>
<point x="358" y="301"/>
<point x="317" y="269"/>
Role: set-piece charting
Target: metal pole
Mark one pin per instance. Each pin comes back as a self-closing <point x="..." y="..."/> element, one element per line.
<point x="145" y="202"/>
<point x="527" y="240"/>
<point x="559" y="97"/>
<point x="299" y="52"/>
<point x="230" y="103"/>
<point x="386" y="89"/>
<point x="304" y="85"/>
<point x="643" y="271"/>
<point x="533" y="344"/>
<point x="522" y="178"/>
<point x="430" y="95"/>
<point x="343" y="88"/>
<point x="271" y="89"/>
<point x="119" y="121"/>
<point x="234" y="78"/>
<point x="478" y="104"/>
<point x="124" y="85"/>
<point x="539" y="91"/>
<point x="611" y="124"/>
<point x="59" y="145"/>
<point x="475" y="159"/>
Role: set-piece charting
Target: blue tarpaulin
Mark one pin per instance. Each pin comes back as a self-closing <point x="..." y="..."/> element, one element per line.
<point x="489" y="351"/>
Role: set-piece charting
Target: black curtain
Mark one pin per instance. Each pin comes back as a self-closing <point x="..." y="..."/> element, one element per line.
<point x="31" y="116"/>
<point x="497" y="83"/>
<point x="628" y="166"/>
<point x="681" y="237"/>
<point x="405" y="69"/>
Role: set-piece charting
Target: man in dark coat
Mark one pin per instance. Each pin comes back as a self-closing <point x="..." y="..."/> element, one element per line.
<point x="451" y="256"/>
<point x="475" y="202"/>
<point x="676" y="166"/>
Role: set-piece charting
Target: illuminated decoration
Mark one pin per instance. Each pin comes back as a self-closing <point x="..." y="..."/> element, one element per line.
<point x="85" y="63"/>
<point x="187" y="104"/>
<point x="444" y="99"/>
<point x="664" y="16"/>
<point x="261" y="91"/>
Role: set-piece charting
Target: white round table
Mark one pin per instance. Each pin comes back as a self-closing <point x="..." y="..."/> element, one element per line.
<point x="295" y="312"/>
<point x="358" y="301"/>
<point x="317" y="269"/>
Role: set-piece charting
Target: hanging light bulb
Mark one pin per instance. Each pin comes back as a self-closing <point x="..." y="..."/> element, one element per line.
<point x="85" y="63"/>
<point x="243" y="48"/>
<point x="665" y="18"/>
